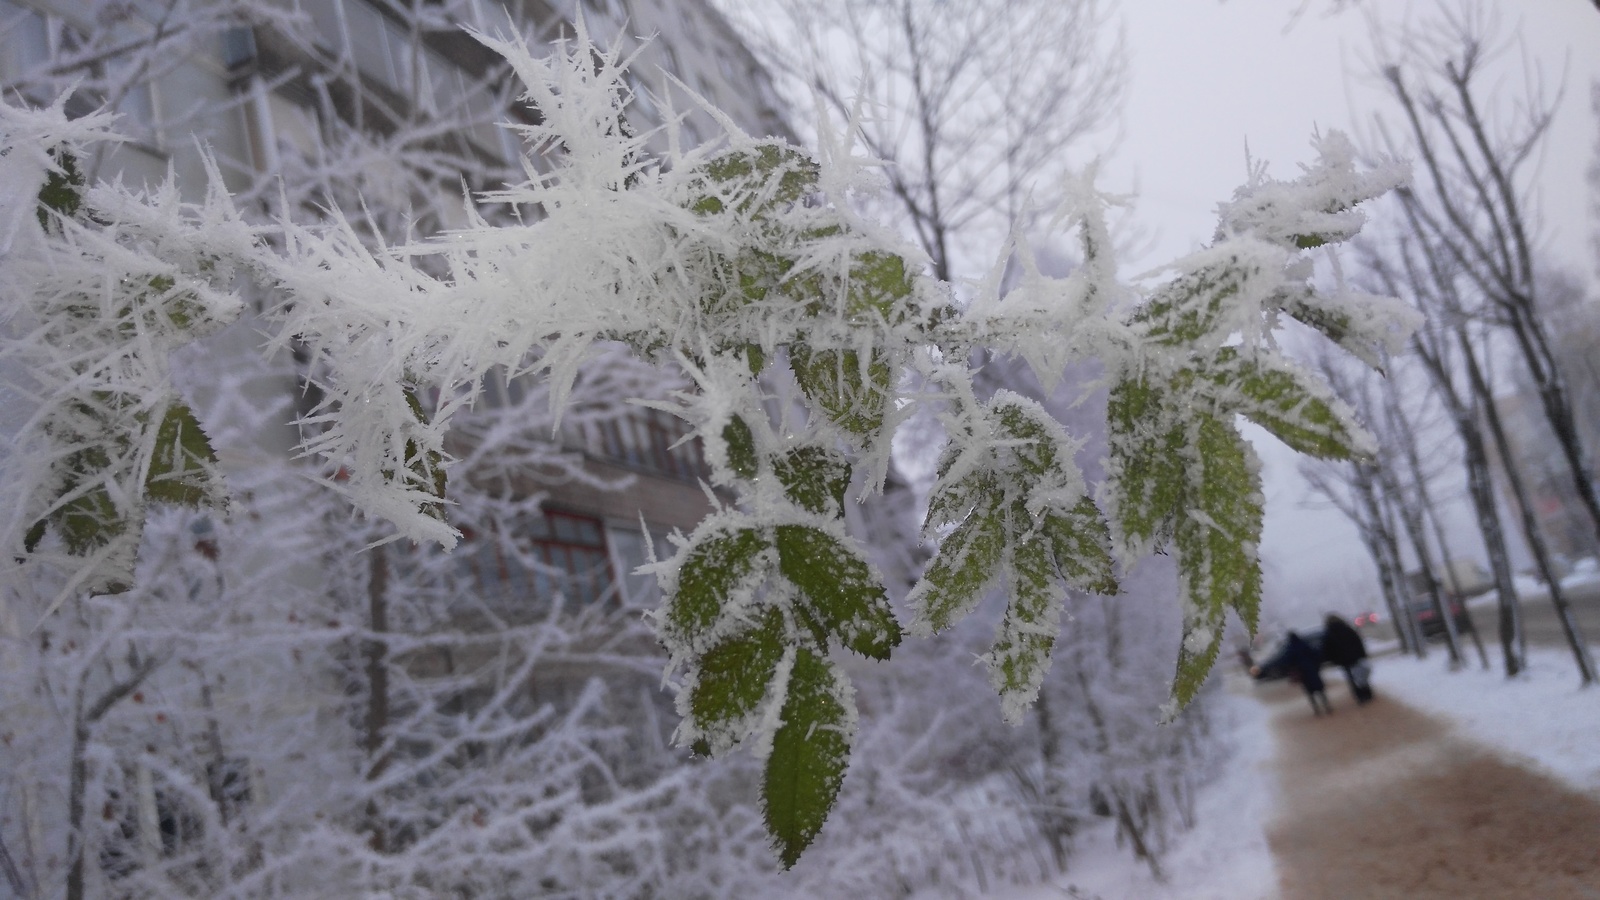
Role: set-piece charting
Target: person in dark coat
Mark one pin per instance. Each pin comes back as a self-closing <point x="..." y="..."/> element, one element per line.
<point x="1342" y="645"/>
<point x="1305" y="666"/>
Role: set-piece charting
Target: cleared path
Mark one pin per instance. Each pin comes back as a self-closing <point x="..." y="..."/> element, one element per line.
<point x="1382" y="801"/>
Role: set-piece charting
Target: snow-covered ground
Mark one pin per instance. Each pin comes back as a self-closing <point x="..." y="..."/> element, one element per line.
<point x="1543" y="720"/>
<point x="1224" y="858"/>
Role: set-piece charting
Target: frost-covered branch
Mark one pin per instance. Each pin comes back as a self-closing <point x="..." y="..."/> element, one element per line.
<point x="744" y="266"/>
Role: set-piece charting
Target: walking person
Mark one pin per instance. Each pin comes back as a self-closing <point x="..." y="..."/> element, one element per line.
<point x="1342" y="645"/>
<point x="1305" y="666"/>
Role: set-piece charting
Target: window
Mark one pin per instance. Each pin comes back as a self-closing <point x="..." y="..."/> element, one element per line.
<point x="380" y="48"/>
<point x="628" y="553"/>
<point x="575" y="547"/>
<point x="646" y="439"/>
<point x="32" y="41"/>
<point x="529" y="560"/>
<point x="238" y="47"/>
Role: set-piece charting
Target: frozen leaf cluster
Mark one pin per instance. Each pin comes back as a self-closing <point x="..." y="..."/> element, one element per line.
<point x="101" y="288"/>
<point x="1020" y="515"/>
<point x="805" y="333"/>
<point x="1179" y="474"/>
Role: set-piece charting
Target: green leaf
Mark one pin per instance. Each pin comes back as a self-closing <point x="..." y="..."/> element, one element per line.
<point x="755" y="358"/>
<point x="810" y="751"/>
<point x="741" y="446"/>
<point x="1080" y="543"/>
<point x="1035" y="450"/>
<point x="31" y="540"/>
<point x="1215" y="544"/>
<point x="89" y="521"/>
<point x="772" y="175"/>
<point x="180" y="468"/>
<point x="1360" y="325"/>
<point x="854" y="396"/>
<point x="63" y="190"/>
<point x="839" y="587"/>
<point x="1281" y="402"/>
<point x="429" y="466"/>
<point x="879" y="283"/>
<point x="814" y="478"/>
<point x="758" y="272"/>
<point x="1190" y="307"/>
<point x="1020" y="656"/>
<point x="806" y="617"/>
<point x="953" y="502"/>
<point x="1336" y="326"/>
<point x="732" y="679"/>
<point x="966" y="566"/>
<point x="712" y="570"/>
<point x="1147" y="453"/>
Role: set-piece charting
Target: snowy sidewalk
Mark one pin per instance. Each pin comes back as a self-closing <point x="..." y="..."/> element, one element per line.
<point x="1386" y="801"/>
<point x="1347" y="773"/>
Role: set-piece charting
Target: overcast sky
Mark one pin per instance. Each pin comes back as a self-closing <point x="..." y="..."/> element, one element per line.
<point x="1210" y="77"/>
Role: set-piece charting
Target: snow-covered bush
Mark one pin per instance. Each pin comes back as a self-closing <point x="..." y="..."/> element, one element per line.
<point x="734" y="263"/>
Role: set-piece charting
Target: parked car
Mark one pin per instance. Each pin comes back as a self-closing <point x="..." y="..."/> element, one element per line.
<point x="1429" y="622"/>
<point x="1365" y="619"/>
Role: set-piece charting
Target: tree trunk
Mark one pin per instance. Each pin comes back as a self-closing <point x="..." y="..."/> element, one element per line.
<point x="77" y="783"/>
<point x="8" y="866"/>
<point x="1388" y="550"/>
<point x="1475" y="455"/>
<point x="1531" y="530"/>
<point x="1410" y="515"/>
<point x="1557" y="406"/>
<point x="1057" y="828"/>
<point x="1385" y="507"/>
<point x="83" y="722"/>
<point x="1482" y="491"/>
<point x="1455" y="585"/>
<point x="1476" y="222"/>
<point x="1426" y="512"/>
<point x="377" y="719"/>
<point x="1388" y="580"/>
<point x="1411" y="519"/>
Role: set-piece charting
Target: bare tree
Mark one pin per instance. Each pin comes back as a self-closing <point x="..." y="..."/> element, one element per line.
<point x="1436" y="348"/>
<point x="1402" y="502"/>
<point x="1417" y="508"/>
<point x="1470" y="201"/>
<point x="974" y="107"/>
<point x="1594" y="177"/>
<point x="1371" y="494"/>
<point x="1415" y="267"/>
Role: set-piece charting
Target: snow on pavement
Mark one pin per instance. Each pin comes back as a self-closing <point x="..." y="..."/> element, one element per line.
<point x="1543" y="720"/>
